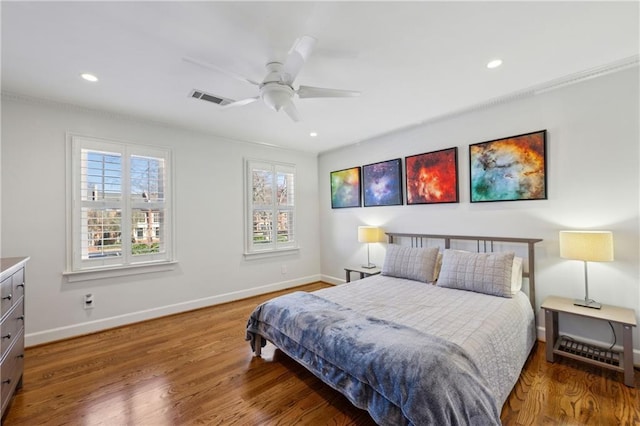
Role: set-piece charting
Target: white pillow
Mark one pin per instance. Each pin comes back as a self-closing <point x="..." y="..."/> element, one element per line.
<point x="412" y="263"/>
<point x="488" y="273"/>
<point x="516" y="275"/>
<point x="516" y="272"/>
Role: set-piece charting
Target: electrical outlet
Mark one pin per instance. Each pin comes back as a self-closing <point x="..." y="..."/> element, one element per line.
<point x="89" y="303"/>
<point x="283" y="269"/>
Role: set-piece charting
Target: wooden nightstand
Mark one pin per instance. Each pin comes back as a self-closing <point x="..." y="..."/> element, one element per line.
<point x="364" y="272"/>
<point x="615" y="360"/>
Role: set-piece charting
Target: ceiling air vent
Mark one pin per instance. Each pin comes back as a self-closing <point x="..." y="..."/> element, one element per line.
<point x="218" y="100"/>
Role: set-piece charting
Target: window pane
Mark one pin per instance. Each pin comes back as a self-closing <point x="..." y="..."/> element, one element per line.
<point x="147" y="178"/>
<point x="270" y="200"/>
<point x="262" y="187"/>
<point x="262" y="227"/>
<point x="100" y="175"/>
<point x="146" y="226"/>
<point x="102" y="233"/>
<point x="120" y="205"/>
<point x="285" y="189"/>
<point x="285" y="226"/>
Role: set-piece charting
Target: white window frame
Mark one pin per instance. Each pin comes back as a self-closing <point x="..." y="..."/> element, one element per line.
<point x="276" y="247"/>
<point x="77" y="268"/>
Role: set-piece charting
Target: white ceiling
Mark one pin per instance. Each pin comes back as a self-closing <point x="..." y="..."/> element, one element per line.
<point x="412" y="61"/>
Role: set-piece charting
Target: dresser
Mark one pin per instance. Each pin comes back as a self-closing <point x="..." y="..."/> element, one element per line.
<point x="12" y="282"/>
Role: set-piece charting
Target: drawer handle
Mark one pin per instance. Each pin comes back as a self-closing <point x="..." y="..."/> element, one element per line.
<point x="9" y="297"/>
<point x="20" y="318"/>
<point x="20" y="356"/>
<point x="20" y="285"/>
<point x="6" y="336"/>
<point x="6" y="382"/>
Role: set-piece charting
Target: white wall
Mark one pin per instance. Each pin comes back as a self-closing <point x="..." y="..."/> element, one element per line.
<point x="209" y="228"/>
<point x="593" y="183"/>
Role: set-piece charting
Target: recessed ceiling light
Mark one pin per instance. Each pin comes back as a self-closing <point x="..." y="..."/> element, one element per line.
<point x="495" y="63"/>
<point x="313" y="134"/>
<point x="89" y="77"/>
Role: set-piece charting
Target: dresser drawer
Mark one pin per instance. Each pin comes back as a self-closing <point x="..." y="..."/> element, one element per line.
<point x="18" y="284"/>
<point x="6" y="295"/>
<point x="11" y="371"/>
<point x="11" y="327"/>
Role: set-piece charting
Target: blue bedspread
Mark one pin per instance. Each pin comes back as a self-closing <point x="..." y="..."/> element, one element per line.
<point x="396" y="373"/>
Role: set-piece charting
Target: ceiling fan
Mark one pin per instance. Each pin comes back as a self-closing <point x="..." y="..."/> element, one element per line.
<point x="276" y="89"/>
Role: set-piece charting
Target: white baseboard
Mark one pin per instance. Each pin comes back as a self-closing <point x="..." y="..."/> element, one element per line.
<point x="332" y="280"/>
<point x="636" y="353"/>
<point x="74" y="330"/>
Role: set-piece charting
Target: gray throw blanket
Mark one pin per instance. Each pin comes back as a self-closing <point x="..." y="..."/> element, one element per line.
<point x="396" y="373"/>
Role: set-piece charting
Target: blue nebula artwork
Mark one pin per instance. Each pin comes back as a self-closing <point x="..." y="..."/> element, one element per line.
<point x="382" y="183"/>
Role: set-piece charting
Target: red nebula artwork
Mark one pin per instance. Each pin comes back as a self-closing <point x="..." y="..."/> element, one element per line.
<point x="433" y="177"/>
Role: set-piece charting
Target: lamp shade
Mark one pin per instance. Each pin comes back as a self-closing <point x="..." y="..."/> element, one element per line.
<point x="368" y="234"/>
<point x="591" y="246"/>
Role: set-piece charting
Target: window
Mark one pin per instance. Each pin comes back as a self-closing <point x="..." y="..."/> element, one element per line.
<point x="271" y="207"/>
<point x="120" y="205"/>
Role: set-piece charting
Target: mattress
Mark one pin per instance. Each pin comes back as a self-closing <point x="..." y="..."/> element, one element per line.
<point x="497" y="333"/>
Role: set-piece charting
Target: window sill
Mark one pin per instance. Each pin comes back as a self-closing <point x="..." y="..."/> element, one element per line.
<point x="272" y="253"/>
<point x="118" y="271"/>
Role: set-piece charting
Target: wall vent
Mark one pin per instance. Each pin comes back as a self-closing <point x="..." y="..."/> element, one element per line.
<point x="208" y="97"/>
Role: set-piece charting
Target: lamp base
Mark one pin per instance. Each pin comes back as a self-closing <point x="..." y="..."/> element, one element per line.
<point x="369" y="266"/>
<point x="588" y="303"/>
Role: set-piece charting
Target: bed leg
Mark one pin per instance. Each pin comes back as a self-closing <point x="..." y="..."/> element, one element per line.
<point x="258" y="345"/>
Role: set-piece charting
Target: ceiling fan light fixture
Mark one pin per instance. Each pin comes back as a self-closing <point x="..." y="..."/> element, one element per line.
<point x="276" y="96"/>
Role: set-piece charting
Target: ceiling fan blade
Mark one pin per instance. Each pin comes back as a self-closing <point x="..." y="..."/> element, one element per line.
<point x="241" y="102"/>
<point x="299" y="53"/>
<point x="220" y="70"/>
<point x="320" y="92"/>
<point x="291" y="111"/>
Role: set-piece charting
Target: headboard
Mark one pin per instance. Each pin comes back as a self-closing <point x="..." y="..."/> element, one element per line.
<point x="483" y="244"/>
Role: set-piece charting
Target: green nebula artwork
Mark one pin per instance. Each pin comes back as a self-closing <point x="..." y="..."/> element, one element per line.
<point x="345" y="188"/>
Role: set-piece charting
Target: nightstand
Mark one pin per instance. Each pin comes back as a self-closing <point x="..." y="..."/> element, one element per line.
<point x="621" y="361"/>
<point x="364" y="272"/>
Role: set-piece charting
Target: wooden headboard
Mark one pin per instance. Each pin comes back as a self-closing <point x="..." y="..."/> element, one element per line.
<point x="483" y="244"/>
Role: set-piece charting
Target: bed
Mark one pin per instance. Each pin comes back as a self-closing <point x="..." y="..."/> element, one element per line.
<point x="439" y="337"/>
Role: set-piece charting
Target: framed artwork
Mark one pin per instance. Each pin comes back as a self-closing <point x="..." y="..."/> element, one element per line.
<point x="345" y="188"/>
<point x="432" y="177"/>
<point x="382" y="183"/>
<point x="508" y="169"/>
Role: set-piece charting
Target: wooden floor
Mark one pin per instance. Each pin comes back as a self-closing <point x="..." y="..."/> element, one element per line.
<point x="196" y="368"/>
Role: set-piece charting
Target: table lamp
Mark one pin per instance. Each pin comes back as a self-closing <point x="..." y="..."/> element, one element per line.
<point x="368" y="234"/>
<point x="588" y="246"/>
